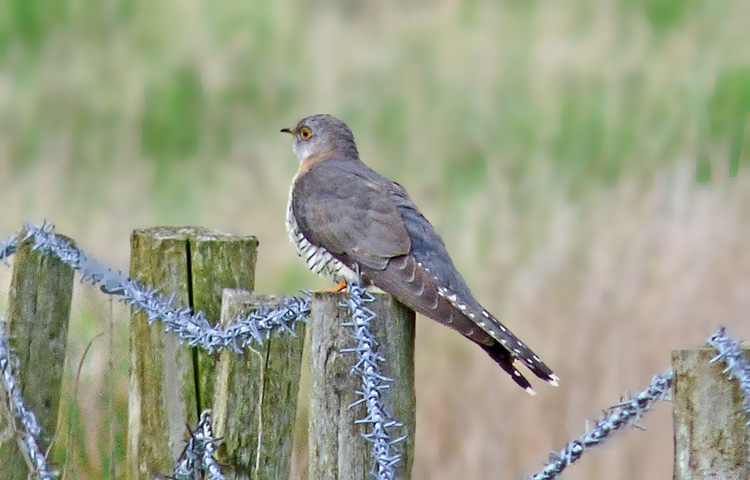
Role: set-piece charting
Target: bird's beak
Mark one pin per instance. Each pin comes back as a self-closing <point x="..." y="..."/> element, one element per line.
<point x="287" y="130"/>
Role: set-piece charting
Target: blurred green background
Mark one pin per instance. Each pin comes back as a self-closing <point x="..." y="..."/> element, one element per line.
<point x="585" y="162"/>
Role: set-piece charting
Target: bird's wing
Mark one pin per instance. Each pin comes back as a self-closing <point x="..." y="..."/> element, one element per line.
<point x="358" y="216"/>
<point x="355" y="215"/>
<point x="350" y="215"/>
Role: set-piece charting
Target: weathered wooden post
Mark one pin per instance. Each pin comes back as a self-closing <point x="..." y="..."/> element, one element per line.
<point x="712" y="439"/>
<point x="166" y="377"/>
<point x="38" y="314"/>
<point x="255" y="400"/>
<point x="337" y="450"/>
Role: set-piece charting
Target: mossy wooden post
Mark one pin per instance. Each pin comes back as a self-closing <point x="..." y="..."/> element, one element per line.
<point x="711" y="436"/>
<point x="217" y="261"/>
<point x="166" y="377"/>
<point x="255" y="400"/>
<point x="337" y="449"/>
<point x="38" y="313"/>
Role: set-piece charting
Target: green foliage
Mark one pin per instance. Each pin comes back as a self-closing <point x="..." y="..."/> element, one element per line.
<point x="29" y="22"/>
<point x="171" y="123"/>
<point x="579" y="146"/>
<point x="469" y="104"/>
<point x="666" y="14"/>
<point x="728" y="110"/>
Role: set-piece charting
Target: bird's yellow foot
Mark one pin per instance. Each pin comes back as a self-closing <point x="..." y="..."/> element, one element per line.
<point x="339" y="287"/>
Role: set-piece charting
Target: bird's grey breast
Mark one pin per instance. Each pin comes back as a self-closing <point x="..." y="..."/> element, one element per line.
<point x="316" y="258"/>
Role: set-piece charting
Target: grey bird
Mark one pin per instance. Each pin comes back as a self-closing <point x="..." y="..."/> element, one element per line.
<point x="342" y="215"/>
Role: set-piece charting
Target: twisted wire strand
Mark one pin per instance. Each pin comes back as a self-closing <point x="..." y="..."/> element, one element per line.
<point x="191" y="327"/>
<point x="625" y="413"/>
<point x="284" y="317"/>
<point x="7" y="249"/>
<point x="629" y="412"/>
<point x="736" y="366"/>
<point x="198" y="455"/>
<point x="30" y="428"/>
<point x="384" y="453"/>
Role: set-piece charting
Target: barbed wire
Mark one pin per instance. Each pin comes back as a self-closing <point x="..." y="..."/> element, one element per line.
<point x="628" y="413"/>
<point x="195" y="329"/>
<point x="198" y="455"/>
<point x="625" y="413"/>
<point x="7" y="249"/>
<point x="31" y="430"/>
<point x="191" y="327"/>
<point x="736" y="366"/>
<point x="383" y="452"/>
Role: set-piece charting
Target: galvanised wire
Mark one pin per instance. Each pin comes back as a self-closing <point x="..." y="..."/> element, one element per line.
<point x="383" y="452"/>
<point x="629" y="412"/>
<point x="736" y="366"/>
<point x="198" y="455"/>
<point x="625" y="413"/>
<point x="197" y="331"/>
<point x="191" y="327"/>
<point x="30" y="428"/>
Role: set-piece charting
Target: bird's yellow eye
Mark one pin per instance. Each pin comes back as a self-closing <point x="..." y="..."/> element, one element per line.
<point x="305" y="133"/>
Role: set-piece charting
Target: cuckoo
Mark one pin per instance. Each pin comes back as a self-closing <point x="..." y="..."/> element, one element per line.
<point x="343" y="217"/>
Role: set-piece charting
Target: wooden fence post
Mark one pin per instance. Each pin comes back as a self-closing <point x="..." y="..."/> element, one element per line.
<point x="337" y="450"/>
<point x="711" y="435"/>
<point x="255" y="400"/>
<point x="196" y="264"/>
<point x="41" y="290"/>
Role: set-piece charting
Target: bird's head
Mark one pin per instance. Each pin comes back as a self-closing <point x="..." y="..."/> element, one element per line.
<point x="321" y="134"/>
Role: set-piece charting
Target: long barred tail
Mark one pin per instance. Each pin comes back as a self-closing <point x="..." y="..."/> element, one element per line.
<point x="503" y="347"/>
<point x="507" y="348"/>
<point x="505" y="359"/>
<point x="413" y="285"/>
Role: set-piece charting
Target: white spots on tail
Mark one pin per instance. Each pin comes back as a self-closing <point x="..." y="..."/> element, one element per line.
<point x="501" y="335"/>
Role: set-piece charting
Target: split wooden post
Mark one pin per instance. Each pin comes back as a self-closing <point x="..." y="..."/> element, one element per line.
<point x="711" y="435"/>
<point x="337" y="449"/>
<point x="196" y="264"/>
<point x="255" y="401"/>
<point x="41" y="290"/>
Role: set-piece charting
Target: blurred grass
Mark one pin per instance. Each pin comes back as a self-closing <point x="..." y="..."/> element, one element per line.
<point x="583" y="160"/>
